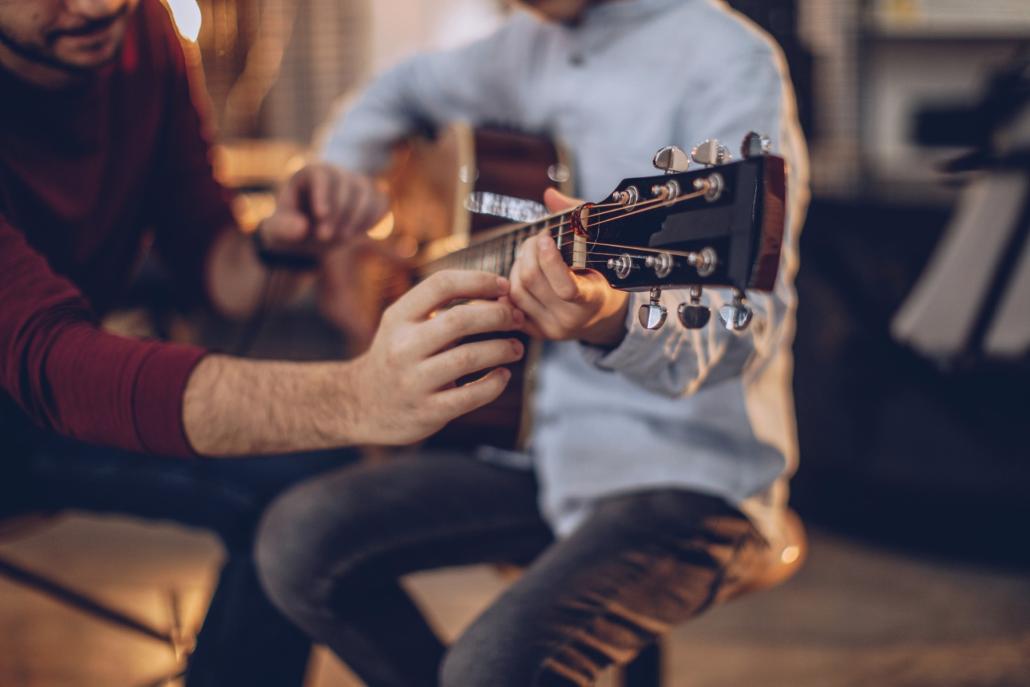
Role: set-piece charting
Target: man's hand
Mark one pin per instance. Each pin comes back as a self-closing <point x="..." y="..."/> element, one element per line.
<point x="320" y="207"/>
<point x="404" y="385"/>
<point x="559" y="303"/>
<point x="400" y="391"/>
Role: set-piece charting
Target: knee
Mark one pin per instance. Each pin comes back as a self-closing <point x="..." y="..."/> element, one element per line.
<point x="299" y="543"/>
<point x="318" y="540"/>
<point x="276" y="551"/>
<point x="487" y="655"/>
<point x="464" y="665"/>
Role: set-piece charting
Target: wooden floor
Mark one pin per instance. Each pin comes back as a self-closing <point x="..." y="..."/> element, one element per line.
<point x="854" y="616"/>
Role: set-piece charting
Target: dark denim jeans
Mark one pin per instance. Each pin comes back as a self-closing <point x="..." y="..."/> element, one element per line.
<point x="330" y="552"/>
<point x="244" y="640"/>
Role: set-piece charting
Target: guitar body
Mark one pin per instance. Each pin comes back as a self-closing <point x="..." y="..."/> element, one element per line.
<point x="430" y="180"/>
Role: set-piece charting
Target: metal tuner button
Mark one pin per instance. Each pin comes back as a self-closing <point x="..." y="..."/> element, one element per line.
<point x="710" y="153"/>
<point x="652" y="315"/>
<point x="693" y="315"/>
<point x="671" y="160"/>
<point x="736" y="316"/>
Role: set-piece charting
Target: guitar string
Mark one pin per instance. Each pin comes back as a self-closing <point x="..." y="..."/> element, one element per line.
<point x="635" y="210"/>
<point x="643" y="205"/>
<point x="400" y="280"/>
<point x="521" y="226"/>
<point x="638" y="208"/>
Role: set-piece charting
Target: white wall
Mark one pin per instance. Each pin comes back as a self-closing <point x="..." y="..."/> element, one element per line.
<point x="402" y="27"/>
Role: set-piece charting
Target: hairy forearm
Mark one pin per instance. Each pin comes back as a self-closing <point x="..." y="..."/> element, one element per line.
<point x="236" y="278"/>
<point x="398" y="392"/>
<point x="234" y="406"/>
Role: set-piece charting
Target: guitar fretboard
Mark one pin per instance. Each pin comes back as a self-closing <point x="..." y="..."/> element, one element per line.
<point x="496" y="252"/>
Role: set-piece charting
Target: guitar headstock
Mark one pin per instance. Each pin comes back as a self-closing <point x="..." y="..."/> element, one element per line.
<point x="720" y="225"/>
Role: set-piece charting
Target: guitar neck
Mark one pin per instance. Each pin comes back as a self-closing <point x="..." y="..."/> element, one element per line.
<point x="495" y="250"/>
<point x="713" y="227"/>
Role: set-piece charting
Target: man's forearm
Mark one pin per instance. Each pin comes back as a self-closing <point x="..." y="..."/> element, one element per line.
<point x="401" y="390"/>
<point x="236" y="277"/>
<point x="235" y="406"/>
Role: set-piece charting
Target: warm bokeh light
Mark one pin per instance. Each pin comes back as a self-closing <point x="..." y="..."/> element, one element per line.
<point x="186" y="14"/>
<point x="383" y="228"/>
<point x="790" y="554"/>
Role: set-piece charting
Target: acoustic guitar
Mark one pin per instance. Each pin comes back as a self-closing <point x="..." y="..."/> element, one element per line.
<point x="454" y="197"/>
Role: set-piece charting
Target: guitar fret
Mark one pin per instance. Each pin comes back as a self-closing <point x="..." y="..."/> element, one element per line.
<point x="495" y="255"/>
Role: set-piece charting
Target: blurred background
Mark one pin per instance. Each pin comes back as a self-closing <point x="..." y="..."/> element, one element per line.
<point x="915" y="435"/>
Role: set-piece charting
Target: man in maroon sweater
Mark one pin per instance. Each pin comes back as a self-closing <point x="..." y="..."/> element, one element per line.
<point x="100" y="150"/>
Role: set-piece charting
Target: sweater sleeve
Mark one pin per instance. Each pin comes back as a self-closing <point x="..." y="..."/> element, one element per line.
<point x="71" y="377"/>
<point x="475" y="83"/>
<point x="751" y="93"/>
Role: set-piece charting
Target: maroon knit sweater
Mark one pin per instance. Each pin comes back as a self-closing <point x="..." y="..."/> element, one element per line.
<point x="86" y="173"/>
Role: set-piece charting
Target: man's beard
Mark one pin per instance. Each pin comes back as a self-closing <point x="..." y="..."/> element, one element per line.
<point x="42" y="56"/>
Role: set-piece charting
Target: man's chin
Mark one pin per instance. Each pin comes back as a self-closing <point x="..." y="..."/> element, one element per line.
<point x="87" y="62"/>
<point x="70" y="61"/>
<point x="78" y="55"/>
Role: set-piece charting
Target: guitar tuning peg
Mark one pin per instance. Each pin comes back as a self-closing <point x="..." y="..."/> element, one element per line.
<point x="693" y="315"/>
<point x="736" y="316"/>
<point x="670" y="160"/>
<point x="755" y="145"/>
<point x="710" y="153"/>
<point x="652" y="314"/>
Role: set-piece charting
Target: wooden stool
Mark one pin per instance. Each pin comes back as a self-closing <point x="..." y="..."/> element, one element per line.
<point x="646" y="669"/>
<point x="14" y="527"/>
